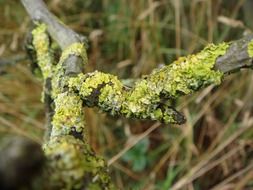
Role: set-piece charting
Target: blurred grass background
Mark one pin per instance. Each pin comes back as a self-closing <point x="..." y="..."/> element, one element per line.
<point x="129" y="38"/>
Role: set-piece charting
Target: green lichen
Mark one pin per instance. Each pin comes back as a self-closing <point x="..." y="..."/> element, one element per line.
<point x="58" y="81"/>
<point x="77" y="49"/>
<point x="60" y="78"/>
<point x="73" y="165"/>
<point x="68" y="115"/>
<point x="190" y="73"/>
<point x="42" y="46"/>
<point x="71" y="162"/>
<point x="146" y="99"/>
<point x="109" y="94"/>
<point x="99" y="88"/>
<point x="250" y="49"/>
<point x="184" y="76"/>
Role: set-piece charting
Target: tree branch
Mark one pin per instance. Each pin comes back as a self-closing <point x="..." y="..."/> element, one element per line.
<point x="236" y="57"/>
<point x="12" y="60"/>
<point x="72" y="164"/>
<point x="147" y="98"/>
<point x="63" y="35"/>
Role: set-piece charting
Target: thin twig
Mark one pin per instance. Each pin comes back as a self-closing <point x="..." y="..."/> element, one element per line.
<point x="12" y="60"/>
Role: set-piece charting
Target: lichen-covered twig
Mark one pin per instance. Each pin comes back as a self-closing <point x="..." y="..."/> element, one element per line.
<point x="147" y="99"/>
<point x="39" y="50"/>
<point x="71" y="162"/>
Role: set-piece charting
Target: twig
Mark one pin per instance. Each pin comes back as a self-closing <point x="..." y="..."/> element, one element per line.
<point x="12" y="60"/>
<point x="63" y="35"/>
<point x="236" y="56"/>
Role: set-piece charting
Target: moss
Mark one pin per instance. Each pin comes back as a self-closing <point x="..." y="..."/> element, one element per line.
<point x="250" y="49"/>
<point x="42" y="46"/>
<point x="73" y="165"/>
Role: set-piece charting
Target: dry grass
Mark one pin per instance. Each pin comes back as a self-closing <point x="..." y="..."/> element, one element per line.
<point x="213" y="150"/>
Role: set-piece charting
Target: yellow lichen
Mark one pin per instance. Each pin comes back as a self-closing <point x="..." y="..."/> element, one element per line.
<point x="41" y="44"/>
<point x="68" y="114"/>
<point x="145" y="99"/>
<point x="190" y="73"/>
<point x="60" y="79"/>
<point x="72" y="162"/>
<point x="77" y="49"/>
<point x="250" y="49"/>
<point x="108" y="93"/>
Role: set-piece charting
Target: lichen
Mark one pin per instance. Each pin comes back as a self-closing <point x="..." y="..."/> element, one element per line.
<point x="250" y="49"/>
<point x="42" y="46"/>
<point x="99" y="88"/>
<point x="73" y="165"/>
<point x="58" y="81"/>
<point x="77" y="49"/>
<point x="146" y="99"/>
<point x="60" y="78"/>
<point x="109" y="94"/>
<point x="71" y="162"/>
<point x="68" y="114"/>
<point x="190" y="73"/>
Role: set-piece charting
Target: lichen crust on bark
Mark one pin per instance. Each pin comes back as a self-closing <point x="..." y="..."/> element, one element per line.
<point x="146" y="100"/>
<point x="41" y="43"/>
<point x="188" y="74"/>
<point x="250" y="49"/>
<point x="68" y="115"/>
<point x="73" y="165"/>
<point x="77" y="49"/>
<point x="59" y="81"/>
